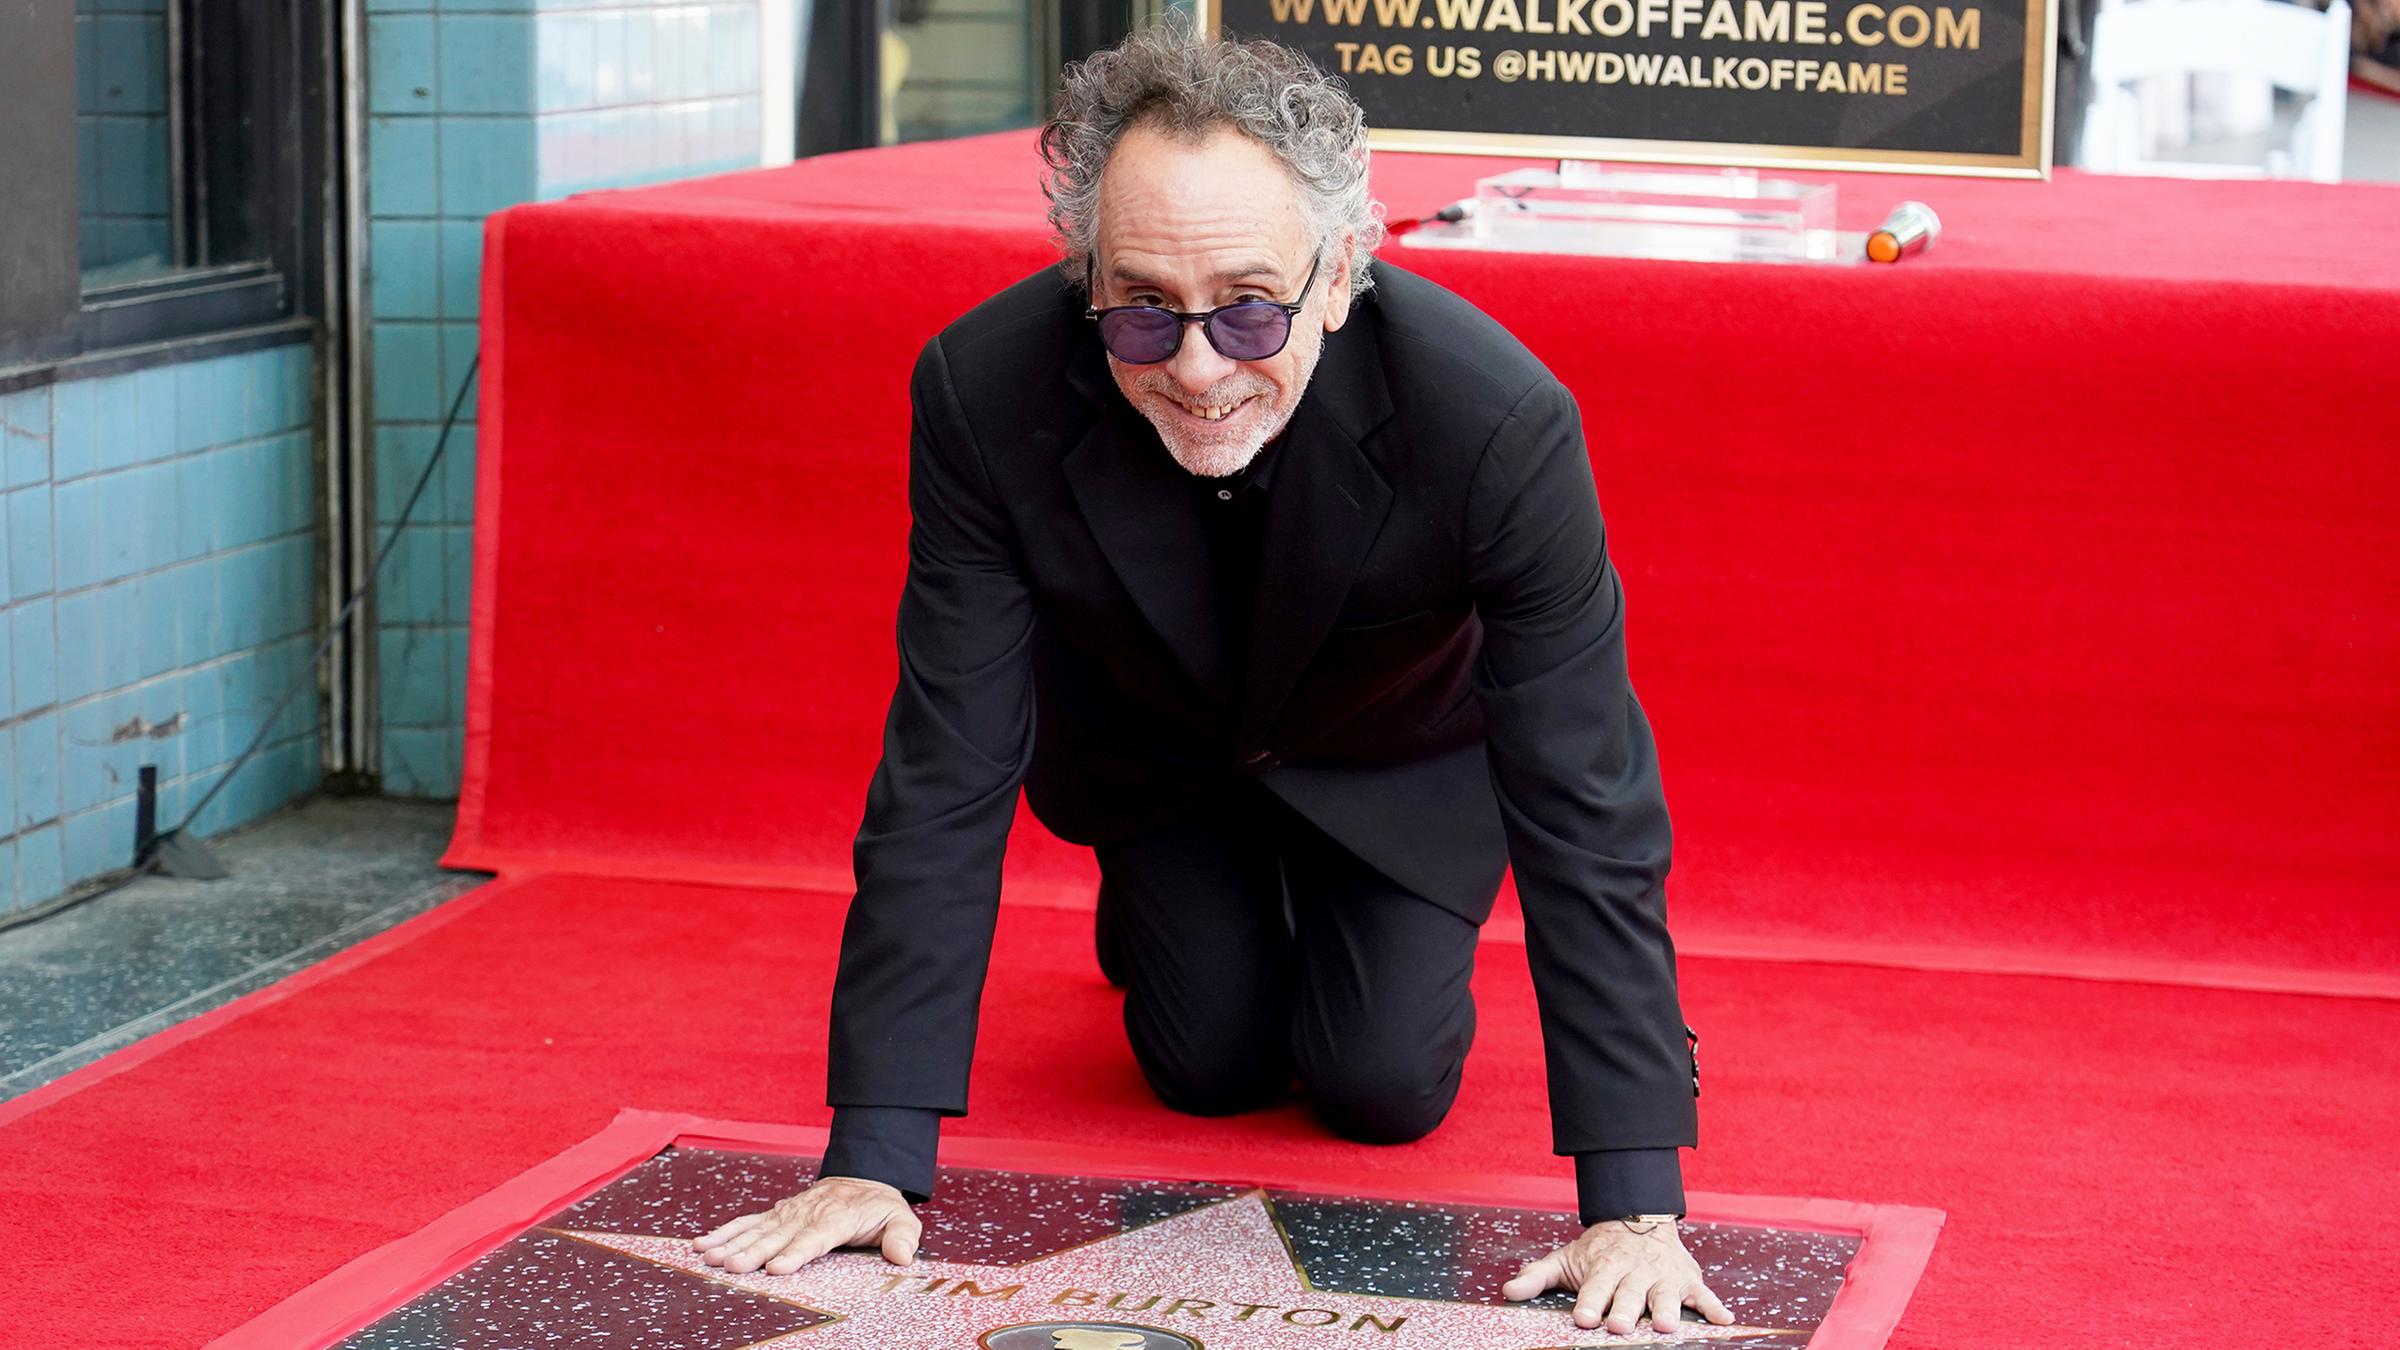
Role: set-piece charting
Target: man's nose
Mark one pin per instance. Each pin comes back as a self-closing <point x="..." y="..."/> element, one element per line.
<point x="1197" y="364"/>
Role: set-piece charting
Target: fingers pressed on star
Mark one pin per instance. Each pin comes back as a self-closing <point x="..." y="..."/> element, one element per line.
<point x="799" y="1229"/>
<point x="1666" y="1308"/>
<point x="797" y="1251"/>
<point x="1536" y="1279"/>
<point x="1626" y="1309"/>
<point x="900" y="1236"/>
<point x="752" y="1251"/>
<point x="726" y="1250"/>
<point x="726" y="1232"/>
<point x="1593" y="1295"/>
<point x="1711" y="1307"/>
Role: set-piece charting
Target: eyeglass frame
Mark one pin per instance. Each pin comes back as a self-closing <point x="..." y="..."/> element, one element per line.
<point x="1185" y="319"/>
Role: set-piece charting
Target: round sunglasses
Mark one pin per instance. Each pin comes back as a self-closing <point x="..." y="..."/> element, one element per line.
<point x="1246" y="330"/>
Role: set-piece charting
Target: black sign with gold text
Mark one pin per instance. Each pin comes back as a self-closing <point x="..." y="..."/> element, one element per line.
<point x="1900" y="85"/>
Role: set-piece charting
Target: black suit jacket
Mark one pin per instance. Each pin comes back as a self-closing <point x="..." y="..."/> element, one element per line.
<point x="1435" y="677"/>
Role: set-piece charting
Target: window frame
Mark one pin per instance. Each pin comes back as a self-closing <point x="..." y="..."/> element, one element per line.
<point x="252" y="137"/>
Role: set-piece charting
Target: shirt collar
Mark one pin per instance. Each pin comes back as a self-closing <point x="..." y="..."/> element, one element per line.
<point x="1259" y="473"/>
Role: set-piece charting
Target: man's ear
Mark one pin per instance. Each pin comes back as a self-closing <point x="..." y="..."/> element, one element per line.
<point x="1337" y="292"/>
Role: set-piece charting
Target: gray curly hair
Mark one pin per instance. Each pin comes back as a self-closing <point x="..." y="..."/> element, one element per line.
<point x="1188" y="83"/>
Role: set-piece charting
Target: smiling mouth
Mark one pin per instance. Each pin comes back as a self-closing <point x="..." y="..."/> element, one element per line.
<point x="1212" y="412"/>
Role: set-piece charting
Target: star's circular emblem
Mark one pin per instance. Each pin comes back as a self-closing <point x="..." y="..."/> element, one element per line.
<point x="1084" y="1336"/>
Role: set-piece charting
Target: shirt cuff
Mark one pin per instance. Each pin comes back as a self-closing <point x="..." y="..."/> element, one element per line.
<point x="1612" y="1183"/>
<point x="891" y="1144"/>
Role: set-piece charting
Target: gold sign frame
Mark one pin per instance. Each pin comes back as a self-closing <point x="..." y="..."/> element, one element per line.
<point x="2033" y="159"/>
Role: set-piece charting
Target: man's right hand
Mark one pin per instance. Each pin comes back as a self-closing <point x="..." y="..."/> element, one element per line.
<point x="834" y="1212"/>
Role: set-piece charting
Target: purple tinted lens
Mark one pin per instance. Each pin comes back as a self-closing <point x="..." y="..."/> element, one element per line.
<point x="1141" y="334"/>
<point x="1250" y="332"/>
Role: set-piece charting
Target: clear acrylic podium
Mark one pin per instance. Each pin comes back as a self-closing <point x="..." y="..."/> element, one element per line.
<point x="1645" y="211"/>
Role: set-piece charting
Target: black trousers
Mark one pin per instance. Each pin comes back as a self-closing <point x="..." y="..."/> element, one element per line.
<point x="1254" y="950"/>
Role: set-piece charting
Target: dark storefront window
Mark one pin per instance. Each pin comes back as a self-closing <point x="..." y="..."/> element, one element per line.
<point x="911" y="70"/>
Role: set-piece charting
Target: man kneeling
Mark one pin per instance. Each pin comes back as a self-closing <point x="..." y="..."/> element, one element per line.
<point x="1304" y="621"/>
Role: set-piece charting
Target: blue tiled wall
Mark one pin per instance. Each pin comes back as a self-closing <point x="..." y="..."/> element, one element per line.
<point x="159" y="539"/>
<point x="475" y="105"/>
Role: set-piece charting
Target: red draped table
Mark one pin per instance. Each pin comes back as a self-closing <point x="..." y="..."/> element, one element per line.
<point x="2034" y="604"/>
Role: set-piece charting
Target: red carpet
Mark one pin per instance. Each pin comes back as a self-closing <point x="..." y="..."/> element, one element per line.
<point x="2032" y="605"/>
<point x="2151" y="1166"/>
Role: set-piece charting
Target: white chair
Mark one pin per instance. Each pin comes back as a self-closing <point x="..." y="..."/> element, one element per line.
<point x="2303" y="50"/>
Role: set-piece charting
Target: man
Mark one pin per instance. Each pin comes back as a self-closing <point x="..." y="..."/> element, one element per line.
<point x="1277" y="576"/>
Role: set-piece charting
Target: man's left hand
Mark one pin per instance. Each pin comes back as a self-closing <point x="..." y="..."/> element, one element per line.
<point x="1619" y="1270"/>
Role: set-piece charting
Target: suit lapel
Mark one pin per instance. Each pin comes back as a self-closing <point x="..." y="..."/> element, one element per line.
<point x="1328" y="504"/>
<point x="1138" y="503"/>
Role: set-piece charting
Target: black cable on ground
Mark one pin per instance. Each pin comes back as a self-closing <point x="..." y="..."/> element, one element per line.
<point x="148" y="861"/>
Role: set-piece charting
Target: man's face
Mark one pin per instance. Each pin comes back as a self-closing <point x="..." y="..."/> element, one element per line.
<point x="1192" y="225"/>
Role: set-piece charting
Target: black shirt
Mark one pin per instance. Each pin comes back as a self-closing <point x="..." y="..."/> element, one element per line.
<point x="1234" y="510"/>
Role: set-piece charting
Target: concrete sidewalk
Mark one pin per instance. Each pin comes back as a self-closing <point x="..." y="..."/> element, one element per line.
<point x="306" y="883"/>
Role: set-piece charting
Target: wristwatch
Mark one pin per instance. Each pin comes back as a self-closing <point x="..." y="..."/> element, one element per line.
<point x="1643" y="1223"/>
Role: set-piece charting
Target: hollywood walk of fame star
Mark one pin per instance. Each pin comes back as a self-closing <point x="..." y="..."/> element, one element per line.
<point x="1221" y="1274"/>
